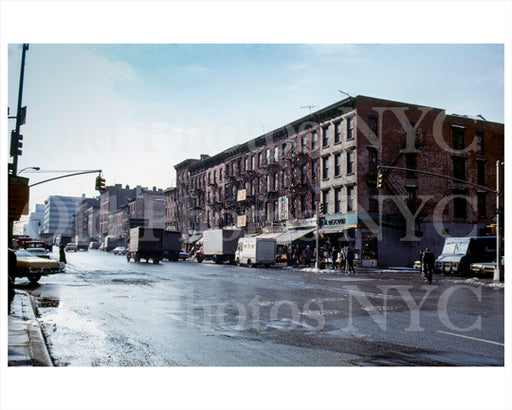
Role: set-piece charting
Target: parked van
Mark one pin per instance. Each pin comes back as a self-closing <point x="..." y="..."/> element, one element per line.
<point x="254" y="251"/>
<point x="459" y="253"/>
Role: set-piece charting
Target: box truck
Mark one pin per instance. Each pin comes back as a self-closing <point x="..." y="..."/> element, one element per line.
<point x="145" y="243"/>
<point x="171" y="245"/>
<point x="459" y="253"/>
<point x="219" y="245"/>
<point x="256" y="251"/>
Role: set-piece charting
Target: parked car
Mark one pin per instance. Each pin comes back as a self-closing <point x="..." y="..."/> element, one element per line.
<point x="33" y="267"/>
<point x="120" y="250"/>
<point x="484" y="268"/>
<point x="41" y="252"/>
<point x="71" y="247"/>
<point x="183" y="255"/>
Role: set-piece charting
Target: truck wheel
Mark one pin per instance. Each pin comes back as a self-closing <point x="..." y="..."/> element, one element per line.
<point x="136" y="258"/>
<point x="237" y="261"/>
<point x="156" y="260"/>
<point x="199" y="259"/>
<point x="217" y="259"/>
<point x="249" y="263"/>
<point x="128" y="257"/>
<point x="34" y="279"/>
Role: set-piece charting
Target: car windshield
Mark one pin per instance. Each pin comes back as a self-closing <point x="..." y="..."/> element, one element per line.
<point x="23" y="254"/>
<point x="36" y="250"/>
<point x="455" y="248"/>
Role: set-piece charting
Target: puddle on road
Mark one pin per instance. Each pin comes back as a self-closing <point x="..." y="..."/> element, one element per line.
<point x="47" y="302"/>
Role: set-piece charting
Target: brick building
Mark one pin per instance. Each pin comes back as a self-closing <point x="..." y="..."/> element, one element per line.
<point x="270" y="182"/>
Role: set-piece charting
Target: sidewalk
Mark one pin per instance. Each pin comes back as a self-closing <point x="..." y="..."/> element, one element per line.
<point x="27" y="346"/>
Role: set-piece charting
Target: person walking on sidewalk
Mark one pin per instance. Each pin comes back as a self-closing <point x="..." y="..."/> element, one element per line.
<point x="350" y="260"/>
<point x="334" y="256"/>
<point x="429" y="261"/>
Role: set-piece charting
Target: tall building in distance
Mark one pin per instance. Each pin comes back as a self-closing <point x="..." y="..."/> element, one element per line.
<point x="59" y="215"/>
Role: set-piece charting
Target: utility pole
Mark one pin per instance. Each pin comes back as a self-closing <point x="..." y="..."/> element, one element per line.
<point x="20" y="117"/>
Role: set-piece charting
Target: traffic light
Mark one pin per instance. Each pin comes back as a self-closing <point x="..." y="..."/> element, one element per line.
<point x="100" y="183"/>
<point x="321" y="207"/>
<point x="380" y="180"/>
<point x="16" y="143"/>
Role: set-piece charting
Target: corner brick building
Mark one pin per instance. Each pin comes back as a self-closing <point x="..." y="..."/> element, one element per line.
<point x="333" y="155"/>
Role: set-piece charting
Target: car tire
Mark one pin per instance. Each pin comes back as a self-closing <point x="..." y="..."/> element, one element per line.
<point x="34" y="279"/>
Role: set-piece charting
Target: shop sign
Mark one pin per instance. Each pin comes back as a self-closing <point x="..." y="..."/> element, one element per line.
<point x="241" y="220"/>
<point x="18" y="196"/>
<point x="283" y="208"/>
<point x="241" y="195"/>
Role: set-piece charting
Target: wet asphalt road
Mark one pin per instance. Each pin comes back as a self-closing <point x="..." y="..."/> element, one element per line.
<point x="104" y="311"/>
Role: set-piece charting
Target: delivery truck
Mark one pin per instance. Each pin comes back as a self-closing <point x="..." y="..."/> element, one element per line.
<point x="256" y="251"/>
<point x="171" y="245"/>
<point x="145" y="243"/>
<point x="459" y="253"/>
<point x="219" y="245"/>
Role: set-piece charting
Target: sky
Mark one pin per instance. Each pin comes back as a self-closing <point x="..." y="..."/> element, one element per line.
<point x="136" y="110"/>
<point x="133" y="88"/>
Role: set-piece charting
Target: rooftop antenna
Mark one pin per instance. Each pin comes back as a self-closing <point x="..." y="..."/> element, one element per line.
<point x="310" y="107"/>
<point x="343" y="92"/>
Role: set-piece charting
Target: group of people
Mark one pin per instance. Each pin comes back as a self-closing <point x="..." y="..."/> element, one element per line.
<point x="346" y="259"/>
<point x="427" y="261"/>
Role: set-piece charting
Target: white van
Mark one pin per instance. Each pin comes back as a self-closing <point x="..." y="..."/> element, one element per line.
<point x="255" y="251"/>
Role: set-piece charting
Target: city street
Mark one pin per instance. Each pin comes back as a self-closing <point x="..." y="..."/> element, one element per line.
<point x="105" y="311"/>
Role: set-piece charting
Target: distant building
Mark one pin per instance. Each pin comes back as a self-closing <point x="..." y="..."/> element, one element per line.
<point x="59" y="215"/>
<point x="34" y="226"/>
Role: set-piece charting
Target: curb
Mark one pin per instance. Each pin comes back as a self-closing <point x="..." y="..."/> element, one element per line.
<point x="27" y="345"/>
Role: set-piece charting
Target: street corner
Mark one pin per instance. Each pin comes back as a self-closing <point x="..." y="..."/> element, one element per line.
<point x="26" y="343"/>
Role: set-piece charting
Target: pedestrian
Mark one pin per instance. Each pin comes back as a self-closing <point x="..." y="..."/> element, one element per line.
<point x="429" y="261"/>
<point x="334" y="256"/>
<point x="422" y="268"/>
<point x="343" y="258"/>
<point x="350" y="260"/>
<point x="307" y="256"/>
<point x="62" y="254"/>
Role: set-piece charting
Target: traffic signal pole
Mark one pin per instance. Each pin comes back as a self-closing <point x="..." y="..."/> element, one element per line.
<point x="19" y="114"/>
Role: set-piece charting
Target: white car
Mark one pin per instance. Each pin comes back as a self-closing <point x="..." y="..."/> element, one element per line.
<point x="120" y="250"/>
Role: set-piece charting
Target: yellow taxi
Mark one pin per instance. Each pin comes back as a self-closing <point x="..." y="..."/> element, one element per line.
<point x="33" y="267"/>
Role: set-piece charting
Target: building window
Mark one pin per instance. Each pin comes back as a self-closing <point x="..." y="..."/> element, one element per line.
<point x="283" y="149"/>
<point x="314" y="169"/>
<point x="350" y="162"/>
<point x="246" y="164"/>
<point x="215" y="176"/>
<point x="276" y="212"/>
<point x="304" y="174"/>
<point x="372" y="161"/>
<point x="459" y="204"/>
<point x="304" y="144"/>
<point x="350" y="198"/>
<point x="267" y="183"/>
<point x="276" y="154"/>
<point x="325" y="201"/>
<point x="410" y="163"/>
<point x="458" y="136"/>
<point x="350" y="128"/>
<point x="337" y="165"/>
<point x="259" y="160"/>
<point x="314" y="140"/>
<point x="480" y="164"/>
<point x="325" y="137"/>
<point x="412" y="198"/>
<point x="481" y="199"/>
<point x="479" y="142"/>
<point x="276" y="182"/>
<point x="303" y="204"/>
<point x="294" y="146"/>
<point x="209" y="178"/>
<point x="325" y="167"/>
<point x="337" y="132"/>
<point x="373" y="126"/>
<point x="267" y="156"/>
<point x="459" y="168"/>
<point x="252" y="163"/>
<point x="337" y="200"/>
